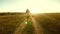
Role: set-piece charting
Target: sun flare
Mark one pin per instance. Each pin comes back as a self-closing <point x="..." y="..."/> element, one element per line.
<point x="35" y="10"/>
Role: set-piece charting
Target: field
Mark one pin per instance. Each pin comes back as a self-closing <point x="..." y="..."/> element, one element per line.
<point x="8" y="23"/>
<point x="49" y="22"/>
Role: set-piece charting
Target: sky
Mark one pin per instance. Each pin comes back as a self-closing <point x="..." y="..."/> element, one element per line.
<point x="35" y="6"/>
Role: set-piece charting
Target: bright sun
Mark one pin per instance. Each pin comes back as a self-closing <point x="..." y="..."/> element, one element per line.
<point x="35" y="10"/>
